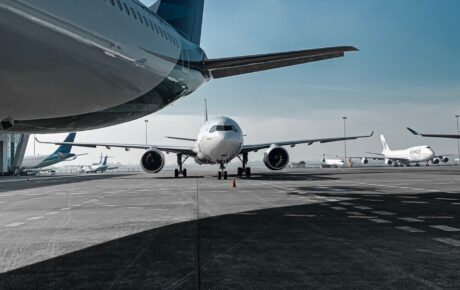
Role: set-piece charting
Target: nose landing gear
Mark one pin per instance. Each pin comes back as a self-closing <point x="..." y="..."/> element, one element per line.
<point x="244" y="170"/>
<point x="222" y="173"/>
<point x="180" y="170"/>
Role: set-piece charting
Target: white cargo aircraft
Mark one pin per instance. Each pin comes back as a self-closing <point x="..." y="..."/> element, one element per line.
<point x="102" y="166"/>
<point x="219" y="141"/>
<point x="328" y="163"/>
<point x="83" y="64"/>
<point x="417" y="155"/>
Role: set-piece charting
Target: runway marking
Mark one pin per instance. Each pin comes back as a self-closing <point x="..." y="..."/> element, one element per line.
<point x="435" y="217"/>
<point x="300" y="215"/>
<point x="354" y="213"/>
<point x="383" y="213"/>
<point x="448" y="241"/>
<point x="51" y="213"/>
<point x="445" y="228"/>
<point x="411" y="220"/>
<point x="410" y="229"/>
<point x="414" y="202"/>
<point x="14" y="225"/>
<point x="34" y="218"/>
<point x="338" y="208"/>
<point x="362" y="207"/>
<point x="346" y="203"/>
<point x="380" y="221"/>
<point x="445" y="198"/>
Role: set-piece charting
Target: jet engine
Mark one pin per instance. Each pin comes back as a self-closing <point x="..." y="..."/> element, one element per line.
<point x="153" y="161"/>
<point x="388" y="162"/>
<point x="276" y="158"/>
<point x="444" y="159"/>
<point x="364" y="161"/>
<point x="435" y="160"/>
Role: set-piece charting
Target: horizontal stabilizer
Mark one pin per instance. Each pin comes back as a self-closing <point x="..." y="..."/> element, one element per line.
<point x="225" y="67"/>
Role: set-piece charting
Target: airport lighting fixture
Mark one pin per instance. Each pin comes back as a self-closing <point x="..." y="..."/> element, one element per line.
<point x="146" y="130"/>
<point x="458" y="141"/>
<point x="345" y="135"/>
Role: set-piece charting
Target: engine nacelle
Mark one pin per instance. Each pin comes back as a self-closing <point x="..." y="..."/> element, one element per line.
<point x="388" y="162"/>
<point x="276" y="158"/>
<point x="364" y="161"/>
<point x="435" y="160"/>
<point x="444" y="159"/>
<point x="152" y="161"/>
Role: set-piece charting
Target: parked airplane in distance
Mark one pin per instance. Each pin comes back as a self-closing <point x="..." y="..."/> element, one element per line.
<point x="98" y="167"/>
<point x="404" y="157"/>
<point x="36" y="164"/>
<point x="450" y="136"/>
<point x="219" y="141"/>
<point x="86" y="64"/>
<point x="328" y="163"/>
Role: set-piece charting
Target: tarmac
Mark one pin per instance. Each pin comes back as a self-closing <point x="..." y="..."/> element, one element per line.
<point x="369" y="228"/>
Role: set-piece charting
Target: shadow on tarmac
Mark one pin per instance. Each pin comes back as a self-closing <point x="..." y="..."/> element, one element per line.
<point x="305" y="246"/>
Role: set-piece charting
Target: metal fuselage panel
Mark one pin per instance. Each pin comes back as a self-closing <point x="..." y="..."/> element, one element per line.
<point x="413" y="154"/>
<point x="85" y="64"/>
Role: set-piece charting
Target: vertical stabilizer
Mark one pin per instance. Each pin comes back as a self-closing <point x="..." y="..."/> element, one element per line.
<point x="65" y="149"/>
<point x="186" y="16"/>
<point x="205" y="110"/>
<point x="384" y="143"/>
<point x="105" y="160"/>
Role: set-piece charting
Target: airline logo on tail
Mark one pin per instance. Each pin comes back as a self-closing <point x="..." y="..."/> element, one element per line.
<point x="384" y="143"/>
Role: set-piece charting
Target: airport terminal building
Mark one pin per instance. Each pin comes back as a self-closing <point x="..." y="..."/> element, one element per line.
<point x="12" y="150"/>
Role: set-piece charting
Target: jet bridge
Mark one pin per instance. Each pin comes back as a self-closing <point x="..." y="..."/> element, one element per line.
<point x="12" y="151"/>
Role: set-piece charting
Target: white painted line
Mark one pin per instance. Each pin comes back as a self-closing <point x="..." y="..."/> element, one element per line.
<point x="338" y="208"/>
<point x="411" y="220"/>
<point x="445" y="228"/>
<point x="448" y="241"/>
<point x="410" y="229"/>
<point x="14" y="225"/>
<point x="362" y="207"/>
<point x="445" y="198"/>
<point x="380" y="221"/>
<point x="35" y="218"/>
<point x="300" y="215"/>
<point x="414" y="202"/>
<point x="51" y="213"/>
<point x="383" y="213"/>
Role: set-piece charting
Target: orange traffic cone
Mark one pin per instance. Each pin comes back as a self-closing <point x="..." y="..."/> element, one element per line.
<point x="234" y="182"/>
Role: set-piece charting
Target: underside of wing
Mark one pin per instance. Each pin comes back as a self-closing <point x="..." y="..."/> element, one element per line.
<point x="225" y="67"/>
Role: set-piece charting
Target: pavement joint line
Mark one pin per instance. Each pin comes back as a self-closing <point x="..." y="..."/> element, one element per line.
<point x="445" y="228"/>
<point x="448" y="241"/>
<point x="410" y="229"/>
<point x="12" y="225"/>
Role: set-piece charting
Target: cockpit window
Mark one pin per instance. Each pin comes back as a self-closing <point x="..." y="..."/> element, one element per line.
<point x="223" y="128"/>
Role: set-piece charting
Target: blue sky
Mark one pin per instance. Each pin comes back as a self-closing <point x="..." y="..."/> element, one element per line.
<point x="407" y="72"/>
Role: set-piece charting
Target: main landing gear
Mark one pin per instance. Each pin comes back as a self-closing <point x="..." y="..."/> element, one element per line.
<point x="180" y="170"/>
<point x="244" y="170"/>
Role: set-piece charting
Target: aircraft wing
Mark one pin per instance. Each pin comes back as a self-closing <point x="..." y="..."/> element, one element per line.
<point x="168" y="149"/>
<point x="451" y="136"/>
<point x="363" y="157"/>
<point x="257" y="147"/>
<point x="225" y="67"/>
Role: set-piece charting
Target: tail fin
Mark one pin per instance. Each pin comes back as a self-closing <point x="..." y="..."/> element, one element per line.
<point x="384" y="143"/>
<point x="105" y="160"/>
<point x="186" y="16"/>
<point x="205" y="110"/>
<point x="65" y="149"/>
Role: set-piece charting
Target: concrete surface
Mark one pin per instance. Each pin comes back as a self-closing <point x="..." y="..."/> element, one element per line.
<point x="389" y="228"/>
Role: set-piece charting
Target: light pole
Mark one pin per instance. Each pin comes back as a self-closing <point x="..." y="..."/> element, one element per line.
<point x="35" y="139"/>
<point x="458" y="141"/>
<point x="345" y="135"/>
<point x="146" y="131"/>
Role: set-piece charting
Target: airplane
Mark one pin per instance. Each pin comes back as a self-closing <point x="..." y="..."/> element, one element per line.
<point x="417" y="155"/>
<point x="98" y="167"/>
<point x="87" y="64"/>
<point x="35" y="164"/>
<point x="219" y="141"/>
<point x="328" y="163"/>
